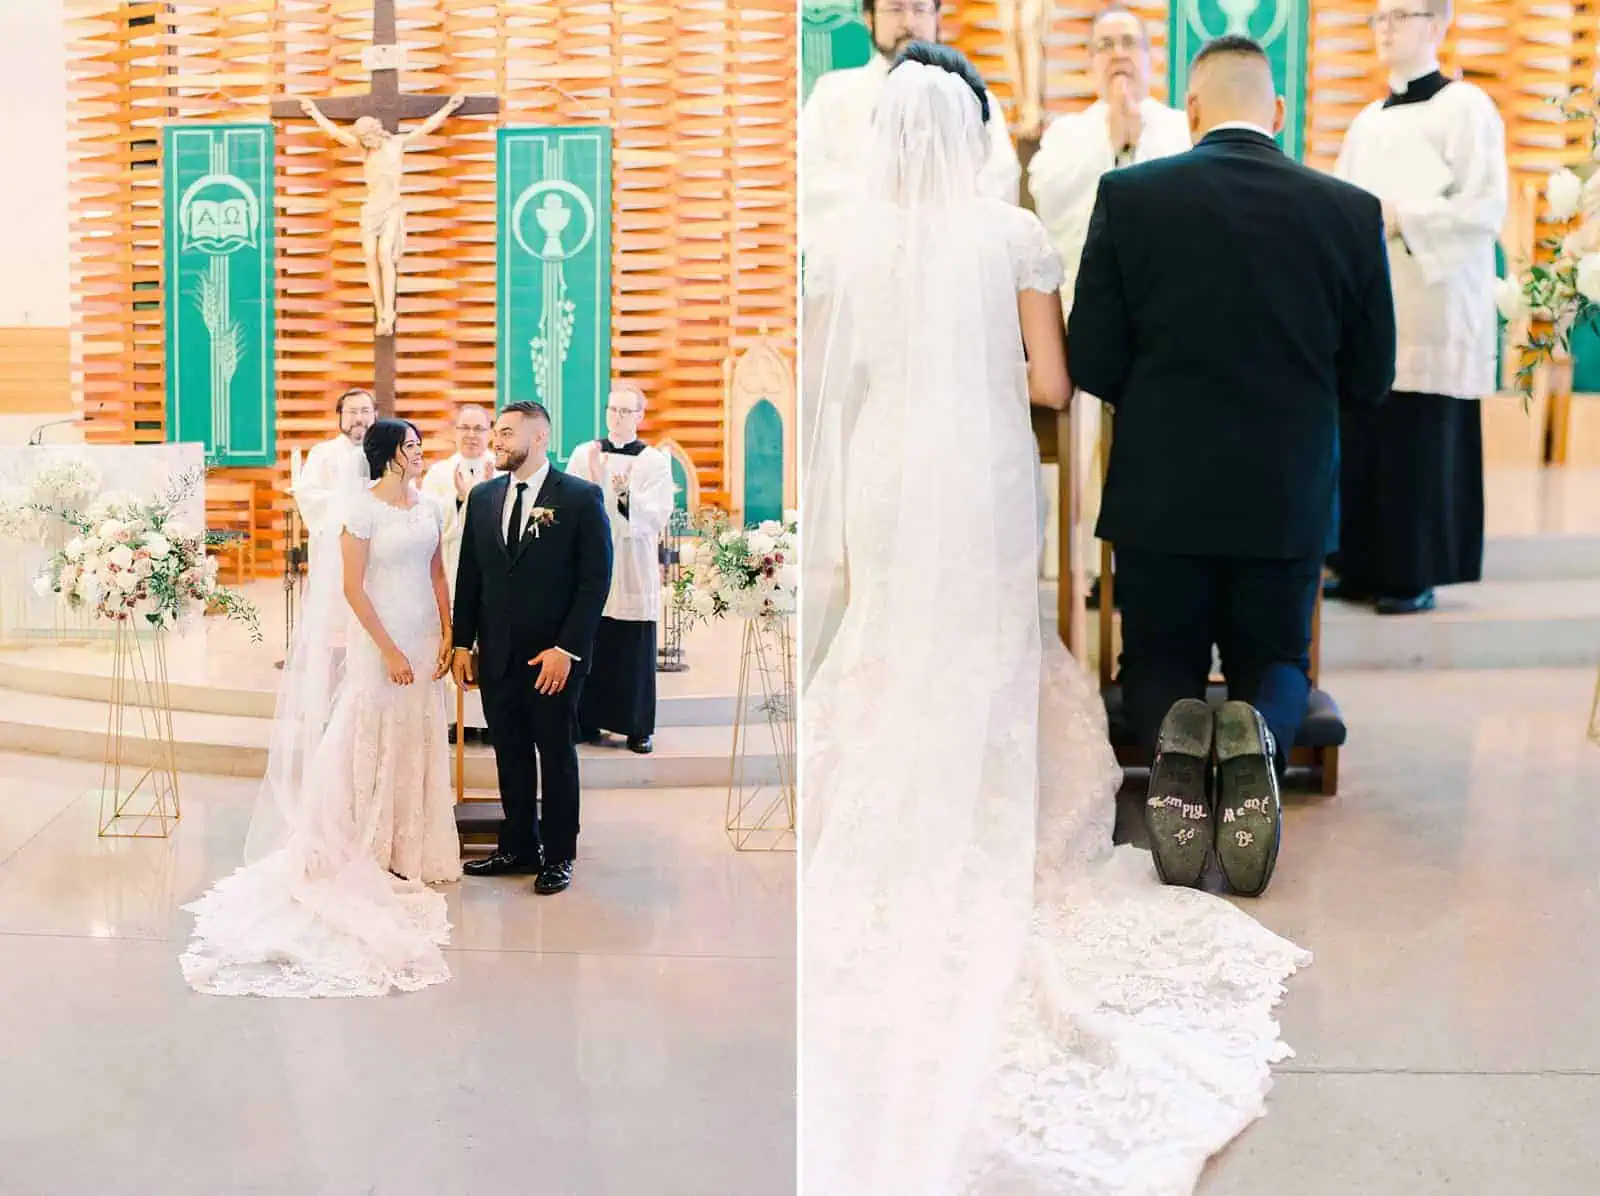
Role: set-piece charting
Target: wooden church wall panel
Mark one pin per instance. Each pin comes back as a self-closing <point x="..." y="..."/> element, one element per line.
<point x="704" y="219"/>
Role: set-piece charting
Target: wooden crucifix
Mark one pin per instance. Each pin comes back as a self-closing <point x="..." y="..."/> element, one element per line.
<point x="376" y="133"/>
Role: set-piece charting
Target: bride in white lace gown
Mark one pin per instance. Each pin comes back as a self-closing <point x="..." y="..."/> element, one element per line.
<point x="993" y="1001"/>
<point x="357" y="813"/>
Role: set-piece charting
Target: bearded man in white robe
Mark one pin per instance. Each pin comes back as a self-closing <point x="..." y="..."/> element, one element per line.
<point x="619" y="695"/>
<point x="448" y="483"/>
<point x="835" y="122"/>
<point x="336" y="469"/>
<point x="1123" y="126"/>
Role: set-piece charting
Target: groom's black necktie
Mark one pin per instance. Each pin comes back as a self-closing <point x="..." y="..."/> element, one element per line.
<point x="514" y="532"/>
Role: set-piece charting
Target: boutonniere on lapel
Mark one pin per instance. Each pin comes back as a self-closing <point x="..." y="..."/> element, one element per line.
<point x="540" y="518"/>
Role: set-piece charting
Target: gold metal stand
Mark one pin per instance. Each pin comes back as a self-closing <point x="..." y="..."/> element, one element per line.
<point x="147" y="806"/>
<point x="1594" y="714"/>
<point x="762" y="816"/>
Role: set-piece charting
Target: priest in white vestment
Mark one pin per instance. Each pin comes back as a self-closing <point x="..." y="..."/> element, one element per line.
<point x="337" y="468"/>
<point x="1123" y="126"/>
<point x="1411" y="482"/>
<point x="448" y="483"/>
<point x="619" y="695"/>
<point x="835" y="121"/>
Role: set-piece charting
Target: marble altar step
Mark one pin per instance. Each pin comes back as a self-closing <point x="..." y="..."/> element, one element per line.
<point x="1496" y="624"/>
<point x="686" y="756"/>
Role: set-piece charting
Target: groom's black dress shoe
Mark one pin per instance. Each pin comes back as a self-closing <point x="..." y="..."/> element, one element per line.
<point x="1177" y="812"/>
<point x="503" y="863"/>
<point x="553" y="878"/>
<point x="641" y="745"/>
<point x="1249" y="808"/>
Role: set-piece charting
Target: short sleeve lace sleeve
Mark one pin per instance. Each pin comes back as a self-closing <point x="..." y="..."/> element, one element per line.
<point x="1035" y="264"/>
<point x="361" y="516"/>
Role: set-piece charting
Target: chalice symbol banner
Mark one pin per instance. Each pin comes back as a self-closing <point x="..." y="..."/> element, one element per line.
<point x="555" y="281"/>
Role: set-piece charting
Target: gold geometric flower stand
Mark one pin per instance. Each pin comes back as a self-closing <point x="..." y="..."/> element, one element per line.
<point x="761" y="815"/>
<point x="139" y="779"/>
<point x="1594" y="714"/>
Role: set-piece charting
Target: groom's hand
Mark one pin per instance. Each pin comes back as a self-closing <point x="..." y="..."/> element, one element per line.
<point x="461" y="668"/>
<point x="554" y="668"/>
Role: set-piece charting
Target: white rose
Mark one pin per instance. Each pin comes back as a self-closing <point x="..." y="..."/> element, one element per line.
<point x="43" y="586"/>
<point x="787" y="578"/>
<point x="110" y="529"/>
<point x="158" y="546"/>
<point x="1509" y="298"/>
<point x="1563" y="192"/>
<point x="761" y="544"/>
<point x="121" y="556"/>
<point x="75" y="548"/>
<point x="1589" y="277"/>
<point x="177" y="529"/>
<point x="702" y="603"/>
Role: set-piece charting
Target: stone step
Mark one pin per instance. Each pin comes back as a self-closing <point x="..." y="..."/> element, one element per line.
<point x="232" y="745"/>
<point x="1492" y="625"/>
<point x="1547" y="557"/>
<point x="22" y="672"/>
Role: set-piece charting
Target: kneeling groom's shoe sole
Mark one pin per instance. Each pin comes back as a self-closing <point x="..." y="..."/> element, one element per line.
<point x="1177" y="814"/>
<point x="1249" y="809"/>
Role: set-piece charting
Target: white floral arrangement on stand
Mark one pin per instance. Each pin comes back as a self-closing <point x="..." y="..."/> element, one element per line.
<point x="65" y="482"/>
<point x="138" y="562"/>
<point x="750" y="573"/>
<point x="1562" y="294"/>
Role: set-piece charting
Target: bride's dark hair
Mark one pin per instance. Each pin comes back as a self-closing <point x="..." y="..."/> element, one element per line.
<point x="948" y="58"/>
<point x="382" y="444"/>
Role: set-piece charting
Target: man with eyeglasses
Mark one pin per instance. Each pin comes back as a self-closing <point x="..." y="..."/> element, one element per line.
<point x="620" y="693"/>
<point x="1411" y="477"/>
<point x="1123" y="126"/>
<point x="337" y="468"/>
<point x="836" y="121"/>
<point x="448" y="483"/>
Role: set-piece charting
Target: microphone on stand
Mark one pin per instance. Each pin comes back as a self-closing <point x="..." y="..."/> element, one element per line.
<point x="36" y="437"/>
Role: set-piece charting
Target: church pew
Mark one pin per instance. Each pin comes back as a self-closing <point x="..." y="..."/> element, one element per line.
<point x="1324" y="732"/>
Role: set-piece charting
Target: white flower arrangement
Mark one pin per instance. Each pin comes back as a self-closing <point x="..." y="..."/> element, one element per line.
<point x="65" y="482"/>
<point x="1562" y="293"/>
<point x="749" y="572"/>
<point x="133" y="561"/>
<point x="21" y="519"/>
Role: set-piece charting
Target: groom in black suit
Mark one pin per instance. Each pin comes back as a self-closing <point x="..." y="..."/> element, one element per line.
<point x="1229" y="304"/>
<point x="533" y="577"/>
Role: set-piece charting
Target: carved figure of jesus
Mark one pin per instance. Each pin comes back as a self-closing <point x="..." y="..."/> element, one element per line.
<point x="1025" y="24"/>
<point x="383" y="213"/>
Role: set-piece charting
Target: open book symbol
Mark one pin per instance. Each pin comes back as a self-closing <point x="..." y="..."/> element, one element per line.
<point x="220" y="225"/>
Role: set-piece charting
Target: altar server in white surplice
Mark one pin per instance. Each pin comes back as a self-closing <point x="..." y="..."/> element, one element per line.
<point x="336" y="469"/>
<point x="619" y="694"/>
<point x="448" y="483"/>
<point x="1123" y="126"/>
<point x="1411" y="484"/>
<point x="835" y="122"/>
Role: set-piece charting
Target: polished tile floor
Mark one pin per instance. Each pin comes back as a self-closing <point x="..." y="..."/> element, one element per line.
<point x="634" y="1035"/>
<point x="1447" y="1037"/>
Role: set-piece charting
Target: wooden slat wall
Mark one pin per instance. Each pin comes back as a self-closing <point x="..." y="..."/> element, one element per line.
<point x="701" y="97"/>
<point x="35" y="371"/>
<point x="1519" y="51"/>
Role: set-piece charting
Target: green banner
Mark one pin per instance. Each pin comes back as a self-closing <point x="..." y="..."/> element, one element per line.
<point x="217" y="217"/>
<point x="833" y="36"/>
<point x="553" y="234"/>
<point x="1281" y="26"/>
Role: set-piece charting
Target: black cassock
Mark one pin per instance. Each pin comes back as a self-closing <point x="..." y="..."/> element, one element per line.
<point x="1411" y="495"/>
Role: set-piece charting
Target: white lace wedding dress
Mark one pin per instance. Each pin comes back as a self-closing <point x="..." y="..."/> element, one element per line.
<point x="994" y="1003"/>
<point x="358" y="806"/>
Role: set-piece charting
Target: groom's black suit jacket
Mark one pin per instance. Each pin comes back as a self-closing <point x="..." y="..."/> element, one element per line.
<point x="1229" y="302"/>
<point x="550" y="593"/>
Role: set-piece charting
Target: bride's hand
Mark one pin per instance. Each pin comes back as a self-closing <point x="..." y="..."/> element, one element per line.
<point x="399" y="667"/>
<point x="446" y="653"/>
